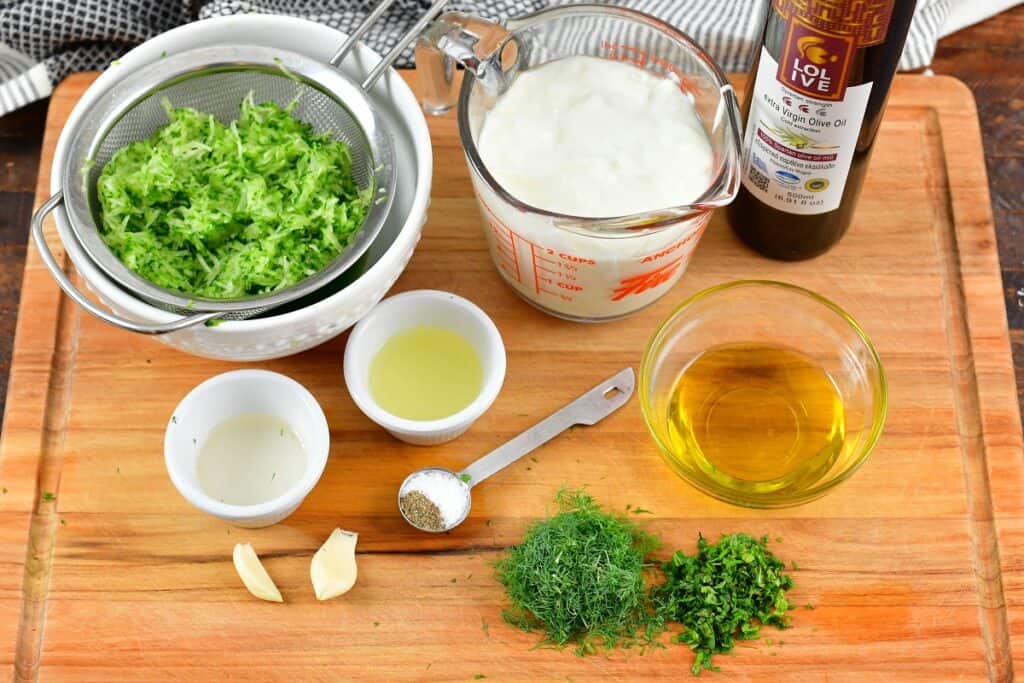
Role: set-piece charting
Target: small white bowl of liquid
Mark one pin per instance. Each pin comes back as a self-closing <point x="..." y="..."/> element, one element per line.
<point x="424" y="365"/>
<point x="247" y="446"/>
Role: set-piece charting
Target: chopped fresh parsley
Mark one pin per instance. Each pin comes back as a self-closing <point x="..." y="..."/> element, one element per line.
<point x="727" y="590"/>
<point x="48" y="496"/>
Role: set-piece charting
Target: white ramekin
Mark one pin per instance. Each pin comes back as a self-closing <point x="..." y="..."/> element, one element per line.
<point x="235" y="393"/>
<point x="424" y="307"/>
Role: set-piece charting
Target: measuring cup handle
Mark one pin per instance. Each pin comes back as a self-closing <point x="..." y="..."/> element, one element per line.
<point x="731" y="105"/>
<point x="457" y="38"/>
<point x="81" y="299"/>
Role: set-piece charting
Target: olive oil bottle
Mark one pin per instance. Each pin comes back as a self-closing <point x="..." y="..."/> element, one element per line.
<point x="813" y="104"/>
<point x="756" y="417"/>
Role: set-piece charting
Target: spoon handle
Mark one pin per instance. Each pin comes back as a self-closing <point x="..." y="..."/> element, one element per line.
<point x="588" y="409"/>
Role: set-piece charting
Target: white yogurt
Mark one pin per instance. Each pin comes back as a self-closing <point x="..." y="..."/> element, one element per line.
<point x="591" y="137"/>
<point x="594" y="137"/>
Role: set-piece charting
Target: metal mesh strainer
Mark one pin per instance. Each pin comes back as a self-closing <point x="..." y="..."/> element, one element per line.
<point x="215" y="80"/>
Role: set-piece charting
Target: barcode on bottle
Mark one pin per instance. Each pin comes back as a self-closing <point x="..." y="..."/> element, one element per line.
<point x="760" y="180"/>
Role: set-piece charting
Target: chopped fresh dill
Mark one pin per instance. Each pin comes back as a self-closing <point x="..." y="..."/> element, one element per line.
<point x="48" y="496"/>
<point x="578" y="579"/>
<point x="465" y="478"/>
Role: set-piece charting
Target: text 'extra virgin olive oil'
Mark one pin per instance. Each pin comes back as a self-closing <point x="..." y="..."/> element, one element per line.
<point x="812" y="108"/>
<point x="756" y="417"/>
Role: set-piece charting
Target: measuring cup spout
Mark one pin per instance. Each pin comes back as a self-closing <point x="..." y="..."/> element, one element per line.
<point x="457" y="38"/>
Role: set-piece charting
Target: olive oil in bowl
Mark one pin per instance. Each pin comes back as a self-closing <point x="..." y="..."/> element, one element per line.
<point x="756" y="418"/>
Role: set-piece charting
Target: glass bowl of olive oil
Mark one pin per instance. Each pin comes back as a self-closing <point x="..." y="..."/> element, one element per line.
<point x="762" y="394"/>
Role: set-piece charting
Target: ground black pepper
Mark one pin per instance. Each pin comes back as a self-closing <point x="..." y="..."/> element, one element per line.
<point x="422" y="511"/>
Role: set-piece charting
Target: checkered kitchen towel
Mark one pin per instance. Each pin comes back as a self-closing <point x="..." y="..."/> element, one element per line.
<point x="42" y="41"/>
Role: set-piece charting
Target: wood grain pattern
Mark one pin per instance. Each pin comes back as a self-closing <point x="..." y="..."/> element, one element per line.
<point x="989" y="58"/>
<point x="916" y="565"/>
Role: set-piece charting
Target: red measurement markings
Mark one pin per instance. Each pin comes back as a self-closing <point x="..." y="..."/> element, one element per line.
<point x="505" y="242"/>
<point x="637" y="284"/>
<point x="557" y="269"/>
<point x="533" y="258"/>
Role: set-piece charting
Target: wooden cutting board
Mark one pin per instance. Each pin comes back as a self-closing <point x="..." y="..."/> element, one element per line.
<point x="915" y="566"/>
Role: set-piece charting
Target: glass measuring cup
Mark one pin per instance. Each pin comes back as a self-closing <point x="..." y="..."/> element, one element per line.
<point x="573" y="267"/>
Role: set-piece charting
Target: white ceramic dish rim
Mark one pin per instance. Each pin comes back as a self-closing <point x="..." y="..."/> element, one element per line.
<point x="287" y="500"/>
<point x="495" y="373"/>
<point x="151" y="50"/>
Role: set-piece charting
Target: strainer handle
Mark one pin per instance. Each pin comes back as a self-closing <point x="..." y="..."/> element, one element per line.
<point x="81" y="299"/>
<point x="403" y="42"/>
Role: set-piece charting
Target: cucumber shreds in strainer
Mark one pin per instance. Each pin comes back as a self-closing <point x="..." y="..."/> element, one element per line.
<point x="230" y="211"/>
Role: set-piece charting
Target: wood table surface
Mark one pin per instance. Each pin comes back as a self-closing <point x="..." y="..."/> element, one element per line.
<point x="914" y="567"/>
<point x="988" y="57"/>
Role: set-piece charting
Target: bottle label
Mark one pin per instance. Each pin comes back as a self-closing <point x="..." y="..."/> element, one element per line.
<point x="804" y="120"/>
<point x="797" y="148"/>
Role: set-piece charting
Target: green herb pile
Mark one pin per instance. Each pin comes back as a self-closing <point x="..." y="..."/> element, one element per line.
<point x="718" y="594"/>
<point x="224" y="211"/>
<point x="578" y="578"/>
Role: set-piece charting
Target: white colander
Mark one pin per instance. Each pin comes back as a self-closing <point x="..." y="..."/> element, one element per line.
<point x="215" y="79"/>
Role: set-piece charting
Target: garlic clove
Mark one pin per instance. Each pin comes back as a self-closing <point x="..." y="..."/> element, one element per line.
<point x="333" y="568"/>
<point x="253" y="575"/>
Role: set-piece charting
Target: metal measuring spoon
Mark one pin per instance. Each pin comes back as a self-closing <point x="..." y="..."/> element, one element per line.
<point x="588" y="409"/>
